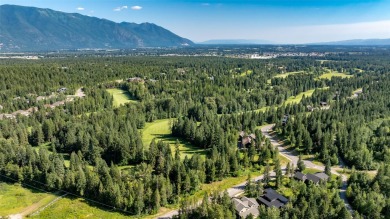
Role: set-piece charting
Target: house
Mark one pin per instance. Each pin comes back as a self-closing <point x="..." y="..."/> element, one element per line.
<point x="62" y="90"/>
<point x="300" y="176"/>
<point x="316" y="178"/>
<point x="285" y="119"/>
<point x="323" y="104"/>
<point x="322" y="176"/>
<point x="245" y="140"/>
<point x="135" y="80"/>
<point x="271" y="198"/>
<point x="246" y="206"/>
<point x="312" y="178"/>
<point x="310" y="108"/>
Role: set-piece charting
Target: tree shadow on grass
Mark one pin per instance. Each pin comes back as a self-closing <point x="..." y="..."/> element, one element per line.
<point x="186" y="146"/>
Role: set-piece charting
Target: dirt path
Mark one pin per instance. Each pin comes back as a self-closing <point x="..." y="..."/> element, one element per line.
<point x="232" y="191"/>
<point x="34" y="208"/>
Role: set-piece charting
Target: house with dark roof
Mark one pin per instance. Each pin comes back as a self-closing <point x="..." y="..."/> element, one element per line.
<point x="245" y="140"/>
<point x="246" y="206"/>
<point x="314" y="178"/>
<point x="300" y="176"/>
<point x="136" y="80"/>
<point x="272" y="198"/>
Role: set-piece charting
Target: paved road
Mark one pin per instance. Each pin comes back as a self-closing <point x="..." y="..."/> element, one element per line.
<point x="239" y="189"/>
<point x="294" y="160"/>
<point x="233" y="192"/>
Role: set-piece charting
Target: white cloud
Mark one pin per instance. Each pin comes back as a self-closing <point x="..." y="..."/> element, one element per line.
<point x="80" y="9"/>
<point x="136" y="7"/>
<point x="120" y="8"/>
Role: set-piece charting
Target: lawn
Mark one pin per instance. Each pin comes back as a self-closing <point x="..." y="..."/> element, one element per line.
<point x="161" y="130"/>
<point x="296" y="99"/>
<point x="15" y="199"/>
<point x="331" y="74"/>
<point x="248" y="72"/>
<point x="121" y="97"/>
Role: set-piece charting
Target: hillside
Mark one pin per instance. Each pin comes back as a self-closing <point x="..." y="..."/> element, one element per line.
<point x="32" y="29"/>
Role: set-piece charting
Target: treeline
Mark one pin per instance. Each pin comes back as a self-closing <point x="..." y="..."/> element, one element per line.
<point x="370" y="197"/>
<point x="344" y="130"/>
<point x="307" y="201"/>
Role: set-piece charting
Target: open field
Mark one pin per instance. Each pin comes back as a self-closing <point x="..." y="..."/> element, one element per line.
<point x="296" y="99"/>
<point x="243" y="74"/>
<point x="161" y="130"/>
<point x="331" y="74"/>
<point x="121" y="97"/>
<point x="76" y="208"/>
<point x="16" y="199"/>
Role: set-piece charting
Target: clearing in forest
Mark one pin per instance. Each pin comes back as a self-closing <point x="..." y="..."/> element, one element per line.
<point x="77" y="208"/>
<point x="14" y="199"/>
<point x="331" y="74"/>
<point x="297" y="99"/>
<point x="246" y="73"/>
<point x="285" y="75"/>
<point x="121" y="97"/>
<point x="161" y="130"/>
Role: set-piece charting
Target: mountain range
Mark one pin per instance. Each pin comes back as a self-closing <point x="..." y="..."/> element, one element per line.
<point x="33" y="29"/>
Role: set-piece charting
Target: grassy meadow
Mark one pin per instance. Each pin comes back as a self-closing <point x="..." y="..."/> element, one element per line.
<point x="161" y="130"/>
<point x="16" y="199"/>
<point x="121" y="97"/>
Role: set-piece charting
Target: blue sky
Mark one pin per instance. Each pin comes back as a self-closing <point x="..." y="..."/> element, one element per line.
<point x="282" y="21"/>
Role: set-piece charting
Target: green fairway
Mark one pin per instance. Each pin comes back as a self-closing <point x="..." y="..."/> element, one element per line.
<point x="296" y="99"/>
<point x="15" y="199"/>
<point x="331" y="74"/>
<point x="161" y="130"/>
<point x="243" y="74"/>
<point x="121" y="97"/>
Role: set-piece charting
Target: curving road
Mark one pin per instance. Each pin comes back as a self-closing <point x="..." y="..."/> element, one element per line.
<point x="294" y="160"/>
<point x="239" y="189"/>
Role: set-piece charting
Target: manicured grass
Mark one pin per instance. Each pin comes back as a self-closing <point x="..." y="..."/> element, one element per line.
<point x="161" y="130"/>
<point x="15" y="199"/>
<point x="331" y="74"/>
<point x="296" y="99"/>
<point x="248" y="72"/>
<point x="121" y="97"/>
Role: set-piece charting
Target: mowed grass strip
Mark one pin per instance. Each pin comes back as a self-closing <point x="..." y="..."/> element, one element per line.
<point x="248" y="72"/>
<point x="161" y="130"/>
<point x="121" y="97"/>
<point x="15" y="199"/>
<point x="297" y="99"/>
<point x="331" y="74"/>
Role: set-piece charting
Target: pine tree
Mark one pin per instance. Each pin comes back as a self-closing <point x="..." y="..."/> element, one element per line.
<point x="301" y="165"/>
